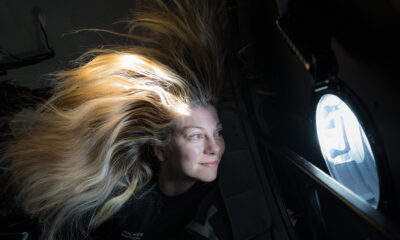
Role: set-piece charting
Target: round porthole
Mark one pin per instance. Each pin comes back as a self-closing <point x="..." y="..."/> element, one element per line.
<point x="346" y="149"/>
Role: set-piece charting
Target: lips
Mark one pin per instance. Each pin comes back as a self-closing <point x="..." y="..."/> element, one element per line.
<point x="210" y="164"/>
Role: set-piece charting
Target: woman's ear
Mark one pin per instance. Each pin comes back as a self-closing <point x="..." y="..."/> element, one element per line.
<point x="159" y="152"/>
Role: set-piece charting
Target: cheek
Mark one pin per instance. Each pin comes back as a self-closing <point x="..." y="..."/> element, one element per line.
<point x="184" y="153"/>
<point x="191" y="153"/>
<point x="221" y="145"/>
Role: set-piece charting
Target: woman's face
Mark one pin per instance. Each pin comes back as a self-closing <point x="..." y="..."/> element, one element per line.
<point x="196" y="147"/>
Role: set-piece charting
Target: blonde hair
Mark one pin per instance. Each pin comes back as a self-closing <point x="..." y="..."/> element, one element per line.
<point x="86" y="151"/>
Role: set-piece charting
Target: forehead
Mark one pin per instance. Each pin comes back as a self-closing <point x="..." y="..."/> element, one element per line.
<point x="201" y="116"/>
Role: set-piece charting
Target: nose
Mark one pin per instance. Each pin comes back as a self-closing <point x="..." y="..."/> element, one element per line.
<point x="213" y="147"/>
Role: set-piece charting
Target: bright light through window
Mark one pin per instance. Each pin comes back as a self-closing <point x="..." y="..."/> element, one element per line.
<point x="346" y="149"/>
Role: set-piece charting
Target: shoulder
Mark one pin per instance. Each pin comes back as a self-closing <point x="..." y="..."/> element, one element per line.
<point x="131" y="220"/>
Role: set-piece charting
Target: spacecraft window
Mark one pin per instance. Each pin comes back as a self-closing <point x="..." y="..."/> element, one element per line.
<point x="346" y="148"/>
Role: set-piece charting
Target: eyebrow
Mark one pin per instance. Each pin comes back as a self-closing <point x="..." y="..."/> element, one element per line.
<point x="199" y="127"/>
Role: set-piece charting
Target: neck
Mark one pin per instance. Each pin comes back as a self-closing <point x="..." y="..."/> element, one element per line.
<point x="173" y="186"/>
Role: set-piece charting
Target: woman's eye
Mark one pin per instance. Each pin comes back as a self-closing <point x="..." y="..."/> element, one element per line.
<point x="219" y="133"/>
<point x="195" y="137"/>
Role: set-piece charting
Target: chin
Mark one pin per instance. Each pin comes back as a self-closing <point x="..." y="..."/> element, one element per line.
<point x="208" y="177"/>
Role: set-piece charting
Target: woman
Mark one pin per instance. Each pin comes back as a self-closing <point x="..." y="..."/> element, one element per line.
<point x="130" y="126"/>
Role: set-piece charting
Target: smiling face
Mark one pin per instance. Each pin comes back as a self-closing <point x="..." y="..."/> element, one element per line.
<point x="196" y="147"/>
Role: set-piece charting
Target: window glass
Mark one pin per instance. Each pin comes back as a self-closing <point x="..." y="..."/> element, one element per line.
<point x="346" y="149"/>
